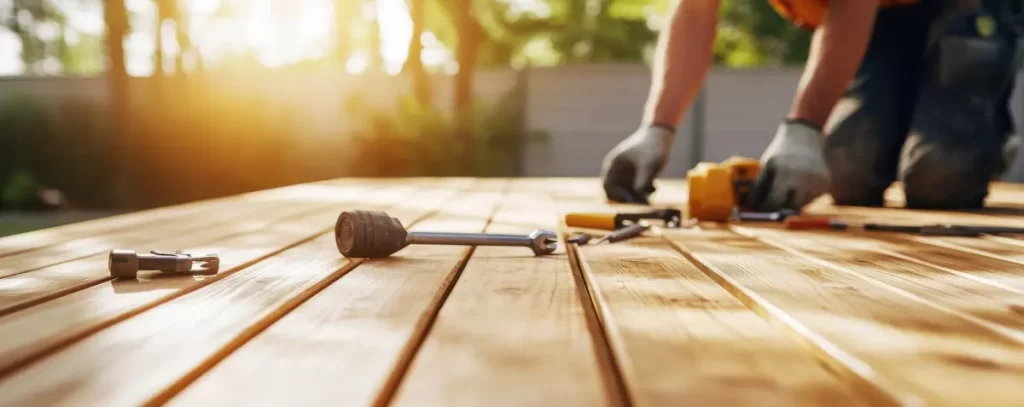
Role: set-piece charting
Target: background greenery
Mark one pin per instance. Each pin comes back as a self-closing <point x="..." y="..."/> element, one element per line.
<point x="189" y="142"/>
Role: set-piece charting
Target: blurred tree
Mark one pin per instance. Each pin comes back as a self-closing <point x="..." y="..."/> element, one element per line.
<point x="414" y="59"/>
<point x="376" y="55"/>
<point x="115" y="16"/>
<point x="344" y="17"/>
<point x="24" y="18"/>
<point x="50" y="43"/>
<point x="751" y="33"/>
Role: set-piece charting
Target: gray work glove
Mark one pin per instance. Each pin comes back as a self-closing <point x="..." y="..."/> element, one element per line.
<point x="793" y="169"/>
<point x="629" y="169"/>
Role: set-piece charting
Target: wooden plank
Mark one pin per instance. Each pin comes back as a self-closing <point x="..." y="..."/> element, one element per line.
<point x="170" y="345"/>
<point x="28" y="289"/>
<point x="27" y="335"/>
<point x="345" y="343"/>
<point x="998" y="247"/>
<point x="139" y="236"/>
<point x="969" y="292"/>
<point x="984" y="261"/>
<point x="513" y="331"/>
<point x="898" y="348"/>
<point x="11" y="245"/>
<point x="681" y="339"/>
<point x="909" y="216"/>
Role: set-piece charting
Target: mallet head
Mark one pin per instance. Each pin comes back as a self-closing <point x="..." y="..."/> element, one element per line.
<point x="369" y="234"/>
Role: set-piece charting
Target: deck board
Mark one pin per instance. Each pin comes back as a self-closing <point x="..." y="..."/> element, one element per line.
<point x="45" y="238"/>
<point x="902" y="347"/>
<point x="135" y="237"/>
<point x="25" y="335"/>
<point x="683" y="339"/>
<point x="680" y="338"/>
<point x="513" y="331"/>
<point x="289" y="223"/>
<point x="350" y="338"/>
<point x="972" y="291"/>
<point x="746" y="314"/>
<point x="188" y="332"/>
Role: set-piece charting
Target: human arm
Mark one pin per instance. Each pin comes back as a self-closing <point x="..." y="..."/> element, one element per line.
<point x="794" y="171"/>
<point x="837" y="48"/>
<point x="681" y="62"/>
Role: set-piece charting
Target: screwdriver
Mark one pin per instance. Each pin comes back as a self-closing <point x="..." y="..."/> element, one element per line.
<point x="625" y="233"/>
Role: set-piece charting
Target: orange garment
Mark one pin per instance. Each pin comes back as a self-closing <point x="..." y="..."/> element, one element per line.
<point x="809" y="13"/>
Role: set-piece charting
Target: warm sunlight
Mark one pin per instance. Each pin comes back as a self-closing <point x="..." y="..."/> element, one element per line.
<point x="280" y="32"/>
<point x="276" y="32"/>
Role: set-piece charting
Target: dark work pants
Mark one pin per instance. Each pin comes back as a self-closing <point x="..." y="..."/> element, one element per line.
<point x="897" y="121"/>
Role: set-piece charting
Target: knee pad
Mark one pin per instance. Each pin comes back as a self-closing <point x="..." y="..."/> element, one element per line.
<point x="975" y="54"/>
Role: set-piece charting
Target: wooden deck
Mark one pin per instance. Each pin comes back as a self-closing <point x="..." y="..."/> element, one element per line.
<point x="726" y="315"/>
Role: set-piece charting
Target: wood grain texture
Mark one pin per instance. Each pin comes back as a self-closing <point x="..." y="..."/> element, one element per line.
<point x="899" y="348"/>
<point x="10" y="245"/>
<point x="31" y="333"/>
<point x="345" y="343"/>
<point x="32" y="288"/>
<point x="681" y="339"/>
<point x="512" y="332"/>
<point x="165" y="347"/>
<point x="137" y="237"/>
<point x="29" y="289"/>
<point x="963" y="291"/>
<point x="1004" y="248"/>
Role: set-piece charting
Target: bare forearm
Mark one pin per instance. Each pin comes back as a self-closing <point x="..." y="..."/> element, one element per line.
<point x="682" y="61"/>
<point x="837" y="48"/>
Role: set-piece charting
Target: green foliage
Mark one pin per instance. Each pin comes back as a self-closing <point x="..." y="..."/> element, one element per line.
<point x="578" y="32"/>
<point x="19" y="192"/>
<point x="66" y="146"/>
<point x="416" y="140"/>
<point x="751" y="34"/>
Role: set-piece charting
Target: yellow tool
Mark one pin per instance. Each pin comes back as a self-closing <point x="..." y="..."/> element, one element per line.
<point x="616" y="221"/>
<point x="714" y="189"/>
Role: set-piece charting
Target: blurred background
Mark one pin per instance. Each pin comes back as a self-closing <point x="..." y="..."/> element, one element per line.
<point x="119" y="105"/>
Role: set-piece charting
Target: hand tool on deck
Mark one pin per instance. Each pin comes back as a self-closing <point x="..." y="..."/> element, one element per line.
<point x="579" y="238"/>
<point x="613" y="221"/>
<point x="618" y="235"/>
<point x="939" y="229"/>
<point x="777" y="216"/>
<point x="127" y="263"/>
<point x="715" y="189"/>
<point x="374" y="234"/>
<point x="625" y="233"/>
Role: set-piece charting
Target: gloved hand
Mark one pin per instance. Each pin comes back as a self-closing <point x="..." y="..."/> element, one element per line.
<point x="629" y="169"/>
<point x="793" y="169"/>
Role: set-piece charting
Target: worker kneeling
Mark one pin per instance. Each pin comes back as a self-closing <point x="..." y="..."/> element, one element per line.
<point x="915" y="92"/>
